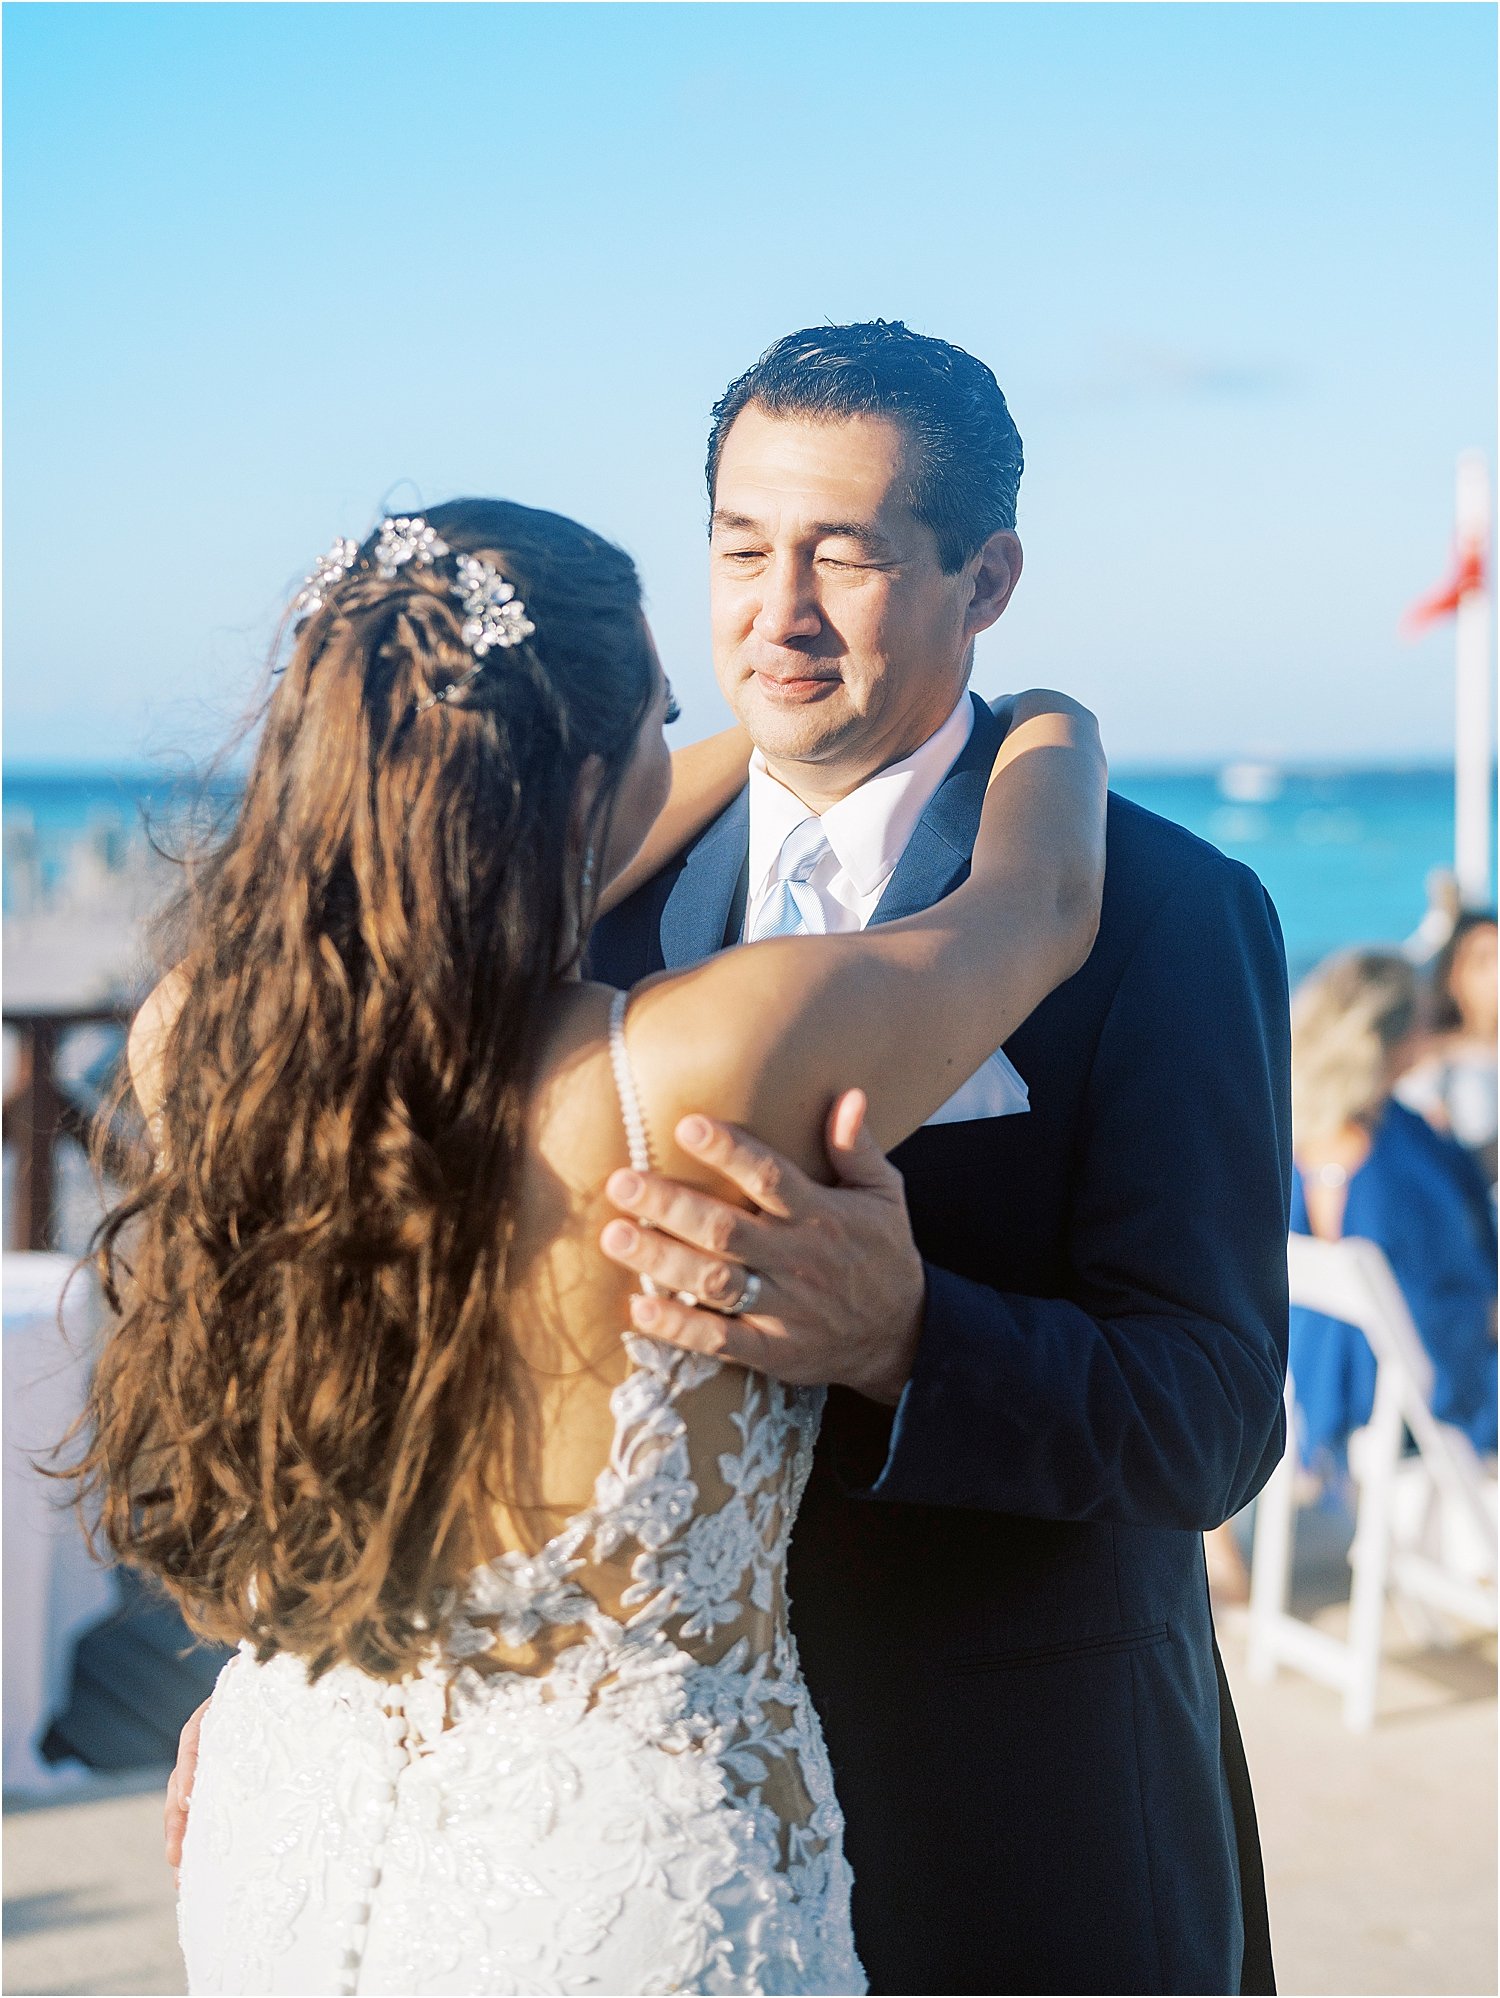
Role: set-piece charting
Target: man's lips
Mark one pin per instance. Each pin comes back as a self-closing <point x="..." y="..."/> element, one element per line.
<point x="790" y="688"/>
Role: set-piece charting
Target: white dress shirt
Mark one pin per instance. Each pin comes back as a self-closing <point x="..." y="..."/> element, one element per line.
<point x="867" y="833"/>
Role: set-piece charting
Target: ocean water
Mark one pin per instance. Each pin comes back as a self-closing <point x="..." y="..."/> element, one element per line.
<point x="64" y="824"/>
<point x="1344" y="853"/>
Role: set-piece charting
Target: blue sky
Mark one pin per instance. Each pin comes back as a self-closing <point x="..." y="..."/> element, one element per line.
<point x="268" y="266"/>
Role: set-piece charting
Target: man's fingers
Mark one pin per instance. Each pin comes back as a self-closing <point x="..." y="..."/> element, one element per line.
<point x="716" y="1279"/>
<point x="180" y="1785"/>
<point x="696" y="1218"/>
<point x="846" y="1120"/>
<point x="174" y="1823"/>
<point x="676" y="1324"/>
<point x="187" y="1751"/>
<point x="772" y="1182"/>
<point x="852" y="1150"/>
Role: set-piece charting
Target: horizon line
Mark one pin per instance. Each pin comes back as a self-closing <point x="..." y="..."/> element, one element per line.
<point x="1301" y="764"/>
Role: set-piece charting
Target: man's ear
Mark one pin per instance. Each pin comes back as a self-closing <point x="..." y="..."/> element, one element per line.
<point x="997" y="570"/>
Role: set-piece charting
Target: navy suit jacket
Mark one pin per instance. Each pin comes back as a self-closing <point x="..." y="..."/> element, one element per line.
<point x="999" y="1593"/>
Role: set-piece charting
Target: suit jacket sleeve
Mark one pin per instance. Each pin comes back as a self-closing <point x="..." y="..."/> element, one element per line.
<point x="1152" y="1393"/>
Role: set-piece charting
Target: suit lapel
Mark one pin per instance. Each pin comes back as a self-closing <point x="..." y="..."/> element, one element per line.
<point x="696" y="910"/>
<point x="937" y="854"/>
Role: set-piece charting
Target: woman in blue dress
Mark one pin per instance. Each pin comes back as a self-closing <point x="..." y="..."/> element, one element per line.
<point x="1367" y="1166"/>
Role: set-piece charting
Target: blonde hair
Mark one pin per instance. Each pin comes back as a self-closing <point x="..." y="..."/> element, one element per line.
<point x="1348" y="1017"/>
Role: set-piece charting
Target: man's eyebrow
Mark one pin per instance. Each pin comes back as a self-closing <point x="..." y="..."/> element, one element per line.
<point x="852" y="530"/>
<point x="824" y="530"/>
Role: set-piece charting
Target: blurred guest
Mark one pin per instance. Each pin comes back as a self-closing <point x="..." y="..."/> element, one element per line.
<point x="1439" y="919"/>
<point x="1368" y="1166"/>
<point x="1453" y="1083"/>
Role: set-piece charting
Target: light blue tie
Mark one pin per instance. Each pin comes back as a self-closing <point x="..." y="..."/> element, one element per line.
<point x="792" y="908"/>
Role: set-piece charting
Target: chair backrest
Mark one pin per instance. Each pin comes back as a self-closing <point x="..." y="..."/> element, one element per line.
<point x="1351" y="1280"/>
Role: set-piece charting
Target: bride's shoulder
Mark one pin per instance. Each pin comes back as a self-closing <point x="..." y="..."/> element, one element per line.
<point x="672" y="1064"/>
<point x="574" y="1117"/>
<point x="695" y="1040"/>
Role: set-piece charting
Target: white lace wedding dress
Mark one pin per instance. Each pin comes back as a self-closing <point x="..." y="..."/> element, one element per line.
<point x="648" y="1809"/>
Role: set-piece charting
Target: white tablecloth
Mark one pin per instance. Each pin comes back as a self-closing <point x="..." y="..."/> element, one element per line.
<point x="52" y="1587"/>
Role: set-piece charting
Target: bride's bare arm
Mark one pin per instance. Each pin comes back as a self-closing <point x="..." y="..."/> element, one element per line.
<point x="767" y="1035"/>
<point x="705" y="777"/>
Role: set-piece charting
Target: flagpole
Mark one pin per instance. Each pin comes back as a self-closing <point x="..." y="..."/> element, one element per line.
<point x="1472" y="763"/>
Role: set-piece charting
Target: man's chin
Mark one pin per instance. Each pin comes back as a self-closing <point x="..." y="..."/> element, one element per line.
<point x="807" y="733"/>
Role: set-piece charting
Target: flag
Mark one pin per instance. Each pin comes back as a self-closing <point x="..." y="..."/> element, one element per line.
<point x="1467" y="574"/>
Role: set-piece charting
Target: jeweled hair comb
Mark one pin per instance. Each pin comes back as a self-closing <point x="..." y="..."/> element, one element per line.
<point x="494" y="616"/>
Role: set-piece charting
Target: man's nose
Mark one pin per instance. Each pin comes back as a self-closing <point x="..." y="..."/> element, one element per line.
<point x="788" y="604"/>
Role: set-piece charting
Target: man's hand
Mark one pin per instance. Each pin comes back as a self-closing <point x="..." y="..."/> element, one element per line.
<point x="842" y="1286"/>
<point x="180" y="1786"/>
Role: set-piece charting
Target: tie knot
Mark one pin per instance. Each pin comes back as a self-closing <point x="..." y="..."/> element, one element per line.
<point x="801" y="850"/>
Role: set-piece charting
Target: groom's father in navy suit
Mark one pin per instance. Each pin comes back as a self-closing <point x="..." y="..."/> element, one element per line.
<point x="1068" y="1362"/>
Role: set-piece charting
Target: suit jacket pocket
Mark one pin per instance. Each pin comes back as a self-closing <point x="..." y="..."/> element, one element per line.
<point x="1142" y="1638"/>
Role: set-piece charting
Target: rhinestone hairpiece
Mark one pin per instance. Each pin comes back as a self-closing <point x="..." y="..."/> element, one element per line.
<point x="327" y="570"/>
<point x="447" y="693"/>
<point x="494" y="616"/>
<point x="406" y="538"/>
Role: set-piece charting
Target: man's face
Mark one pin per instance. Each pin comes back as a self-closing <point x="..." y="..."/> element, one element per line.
<point x="838" y="641"/>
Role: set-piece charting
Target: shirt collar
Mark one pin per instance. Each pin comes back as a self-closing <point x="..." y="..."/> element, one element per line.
<point x="869" y="830"/>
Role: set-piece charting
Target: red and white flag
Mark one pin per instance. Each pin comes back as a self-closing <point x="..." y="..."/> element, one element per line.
<point x="1467" y="574"/>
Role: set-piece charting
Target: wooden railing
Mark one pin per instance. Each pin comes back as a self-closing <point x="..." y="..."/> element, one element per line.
<point x="41" y="1115"/>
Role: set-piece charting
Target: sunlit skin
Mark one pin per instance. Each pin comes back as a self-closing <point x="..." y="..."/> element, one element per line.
<point x="838" y="641"/>
<point x="644" y="784"/>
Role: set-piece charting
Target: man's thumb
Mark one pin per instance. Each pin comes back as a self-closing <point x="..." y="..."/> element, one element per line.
<point x="856" y="1158"/>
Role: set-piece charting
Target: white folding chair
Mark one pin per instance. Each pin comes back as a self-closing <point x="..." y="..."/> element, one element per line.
<point x="1425" y="1526"/>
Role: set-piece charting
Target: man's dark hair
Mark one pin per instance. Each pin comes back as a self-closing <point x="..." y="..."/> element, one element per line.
<point x="968" y="448"/>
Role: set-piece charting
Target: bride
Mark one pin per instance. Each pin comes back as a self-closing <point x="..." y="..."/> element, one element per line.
<point x="515" y="1707"/>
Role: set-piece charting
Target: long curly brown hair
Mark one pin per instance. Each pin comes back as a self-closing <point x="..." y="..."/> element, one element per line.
<point x="308" y="1393"/>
